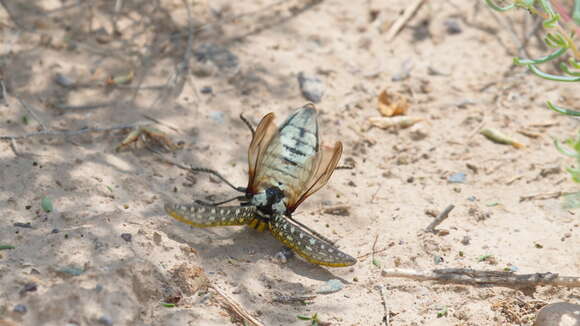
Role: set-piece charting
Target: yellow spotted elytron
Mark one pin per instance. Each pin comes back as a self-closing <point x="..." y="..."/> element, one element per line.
<point x="286" y="165"/>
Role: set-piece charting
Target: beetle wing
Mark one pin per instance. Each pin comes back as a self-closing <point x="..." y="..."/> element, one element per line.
<point x="264" y="132"/>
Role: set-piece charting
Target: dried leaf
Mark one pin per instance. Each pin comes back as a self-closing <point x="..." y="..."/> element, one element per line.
<point x="392" y="104"/>
<point x="398" y="122"/>
<point x="500" y="138"/>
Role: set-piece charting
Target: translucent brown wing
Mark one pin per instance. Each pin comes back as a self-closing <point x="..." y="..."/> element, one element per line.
<point x="264" y="132"/>
<point x="324" y="164"/>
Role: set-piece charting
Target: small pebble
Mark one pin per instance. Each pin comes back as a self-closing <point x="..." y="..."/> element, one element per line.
<point x="20" y="308"/>
<point x="55" y="231"/>
<point x="472" y="198"/>
<point x="457" y="178"/>
<point x="126" y="236"/>
<point x="30" y="287"/>
<point x="284" y="255"/>
<point x="466" y="240"/>
<point x="206" y="90"/>
<point x="438" y="259"/>
<point x="217" y="116"/>
<point x="559" y="314"/>
<point x="106" y="320"/>
<point x="453" y="27"/>
<point x="311" y="87"/>
<point x="331" y="286"/>
<point x="64" y="81"/>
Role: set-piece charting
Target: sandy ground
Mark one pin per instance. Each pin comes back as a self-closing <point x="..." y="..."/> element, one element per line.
<point x="108" y="255"/>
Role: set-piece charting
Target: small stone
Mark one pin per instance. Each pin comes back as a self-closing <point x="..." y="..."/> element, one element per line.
<point x="453" y="27"/>
<point x="331" y="286"/>
<point x="457" y="178"/>
<point x="466" y="240"/>
<point x="311" y="87"/>
<point x="283" y="256"/>
<point x="30" y="287"/>
<point x="106" y="320"/>
<point x="20" y="308"/>
<point x="126" y="236"/>
<point x="217" y="116"/>
<point x="64" y="81"/>
<point x="55" y="231"/>
<point x="206" y="90"/>
<point x="559" y="314"/>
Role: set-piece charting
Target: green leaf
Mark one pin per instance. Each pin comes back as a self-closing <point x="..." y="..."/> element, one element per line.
<point x="548" y="76"/>
<point x="549" y="57"/>
<point x="484" y="257"/>
<point x="562" y="110"/>
<point x="168" y="305"/>
<point x="46" y="205"/>
<point x="442" y="312"/>
<point x="498" y="8"/>
<point x="6" y="247"/>
<point x="376" y="262"/>
<point x="302" y="317"/>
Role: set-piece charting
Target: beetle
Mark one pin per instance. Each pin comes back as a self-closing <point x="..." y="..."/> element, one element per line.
<point x="287" y="164"/>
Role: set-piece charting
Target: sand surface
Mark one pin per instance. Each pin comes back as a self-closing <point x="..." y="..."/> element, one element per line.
<point x="107" y="254"/>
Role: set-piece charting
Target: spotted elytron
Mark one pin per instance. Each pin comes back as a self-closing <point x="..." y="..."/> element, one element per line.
<point x="286" y="165"/>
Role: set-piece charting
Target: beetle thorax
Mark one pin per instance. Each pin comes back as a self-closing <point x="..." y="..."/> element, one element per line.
<point x="270" y="201"/>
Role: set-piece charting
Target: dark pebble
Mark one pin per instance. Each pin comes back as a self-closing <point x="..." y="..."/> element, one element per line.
<point x="23" y="225"/>
<point x="20" y="308"/>
<point x="126" y="236"/>
<point x="30" y="287"/>
<point x="55" y="231"/>
<point x="206" y="90"/>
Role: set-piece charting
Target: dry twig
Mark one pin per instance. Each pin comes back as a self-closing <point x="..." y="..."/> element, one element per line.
<point x="235" y="307"/>
<point x="440" y="218"/>
<point x="387" y="312"/>
<point x="475" y="277"/>
<point x="403" y="19"/>
<point x="544" y="196"/>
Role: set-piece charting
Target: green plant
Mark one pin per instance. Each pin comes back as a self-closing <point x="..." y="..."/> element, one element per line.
<point x="314" y="321"/>
<point x="561" y="27"/>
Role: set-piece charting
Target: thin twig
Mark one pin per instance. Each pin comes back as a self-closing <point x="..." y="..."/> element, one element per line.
<point x="236" y="307"/>
<point x="476" y="277"/>
<point x="387" y="312"/>
<point x="73" y="132"/>
<point x="544" y="196"/>
<point x="32" y="113"/>
<point x="439" y="219"/>
<point x="403" y="19"/>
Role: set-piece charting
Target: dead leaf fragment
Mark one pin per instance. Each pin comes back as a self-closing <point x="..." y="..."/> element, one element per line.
<point x="498" y="137"/>
<point x="391" y="104"/>
<point x="394" y="122"/>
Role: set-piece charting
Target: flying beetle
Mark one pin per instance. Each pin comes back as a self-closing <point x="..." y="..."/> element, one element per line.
<point x="286" y="166"/>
